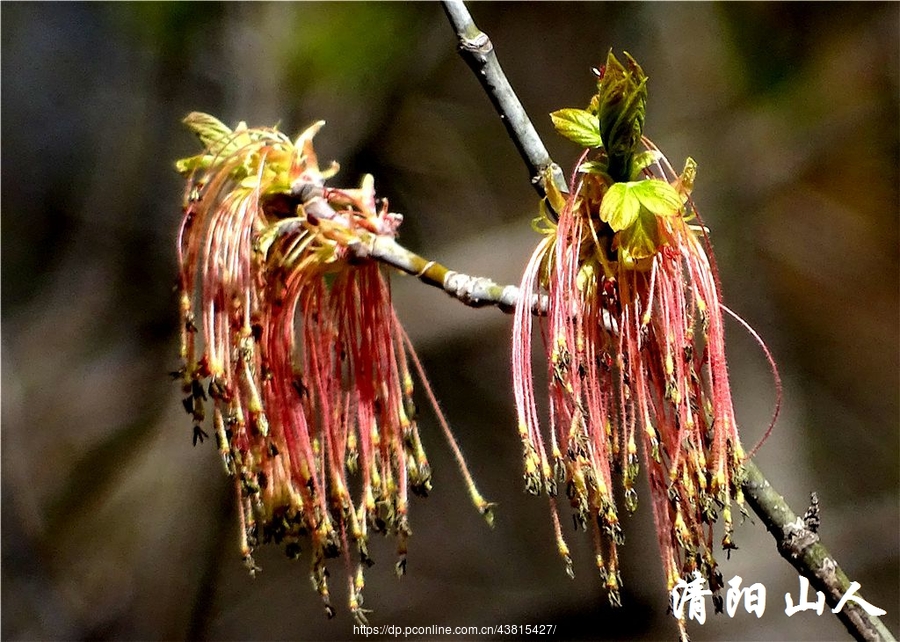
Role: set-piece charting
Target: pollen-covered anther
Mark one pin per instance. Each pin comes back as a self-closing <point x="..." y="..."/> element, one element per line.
<point x="631" y="498"/>
<point x="533" y="482"/>
<point x="611" y="526"/>
<point x="613" y="582"/>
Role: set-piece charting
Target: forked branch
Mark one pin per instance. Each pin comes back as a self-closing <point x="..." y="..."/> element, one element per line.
<point x="795" y="538"/>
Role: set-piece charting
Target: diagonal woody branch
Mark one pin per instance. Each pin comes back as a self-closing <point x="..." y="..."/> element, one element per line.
<point x="477" y="50"/>
<point x="473" y="291"/>
<point x="798" y="543"/>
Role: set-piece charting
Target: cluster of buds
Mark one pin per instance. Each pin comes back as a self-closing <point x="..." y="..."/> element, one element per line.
<point x="634" y="342"/>
<point x="298" y="349"/>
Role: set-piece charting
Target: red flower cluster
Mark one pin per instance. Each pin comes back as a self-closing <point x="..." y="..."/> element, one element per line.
<point x="303" y="357"/>
<point x="635" y="346"/>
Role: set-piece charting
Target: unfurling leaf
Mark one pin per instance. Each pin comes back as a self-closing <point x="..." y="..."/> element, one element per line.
<point x="658" y="197"/>
<point x="209" y="129"/>
<point x="579" y="126"/>
<point x="621" y="106"/>
<point x="218" y="138"/>
<point x="620" y="207"/>
<point x="685" y="183"/>
<point x="632" y="210"/>
<point x="642" y="161"/>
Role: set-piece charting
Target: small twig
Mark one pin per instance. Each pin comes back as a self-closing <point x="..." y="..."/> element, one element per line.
<point x="476" y="49"/>
<point x="474" y="291"/>
<point x="798" y="543"/>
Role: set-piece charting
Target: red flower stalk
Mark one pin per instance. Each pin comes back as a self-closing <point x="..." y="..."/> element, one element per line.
<point x="303" y="355"/>
<point x="635" y="345"/>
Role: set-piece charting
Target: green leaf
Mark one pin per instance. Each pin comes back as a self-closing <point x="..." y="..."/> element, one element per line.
<point x="185" y="166"/>
<point x="214" y="134"/>
<point x="579" y="126"/>
<point x="657" y="196"/>
<point x="593" y="167"/>
<point x="633" y="210"/>
<point x="641" y="239"/>
<point x="620" y="207"/>
<point x="621" y="107"/>
<point x="642" y="161"/>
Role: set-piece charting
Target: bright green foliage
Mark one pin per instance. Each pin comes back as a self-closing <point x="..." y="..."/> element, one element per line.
<point x="212" y="132"/>
<point x="633" y="209"/>
<point x="217" y="138"/>
<point x="579" y="126"/>
<point x="617" y="184"/>
<point x="620" y="206"/>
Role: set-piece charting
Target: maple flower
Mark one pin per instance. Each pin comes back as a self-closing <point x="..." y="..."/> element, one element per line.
<point x="302" y="355"/>
<point x="634" y="342"/>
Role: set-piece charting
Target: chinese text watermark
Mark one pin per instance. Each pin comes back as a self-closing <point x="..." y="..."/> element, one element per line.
<point x="689" y="599"/>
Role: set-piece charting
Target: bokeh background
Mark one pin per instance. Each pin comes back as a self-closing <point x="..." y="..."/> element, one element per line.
<point x="114" y="527"/>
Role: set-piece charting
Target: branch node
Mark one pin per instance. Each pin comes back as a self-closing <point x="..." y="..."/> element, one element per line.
<point x="798" y="538"/>
<point x="811" y="517"/>
<point x="358" y="249"/>
<point x="425" y="268"/>
<point x="477" y="50"/>
<point x="481" y="44"/>
<point x="305" y="190"/>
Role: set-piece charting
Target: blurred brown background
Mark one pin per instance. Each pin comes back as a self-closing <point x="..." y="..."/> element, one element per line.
<point x="114" y="527"/>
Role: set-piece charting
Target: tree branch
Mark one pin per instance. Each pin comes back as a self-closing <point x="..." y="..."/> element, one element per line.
<point x="796" y="541"/>
<point x="474" y="291"/>
<point x="477" y="50"/>
<point x="795" y="538"/>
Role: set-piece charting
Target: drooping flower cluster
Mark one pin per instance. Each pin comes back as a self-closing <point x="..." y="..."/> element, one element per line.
<point x="634" y="342"/>
<point x="302" y="355"/>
